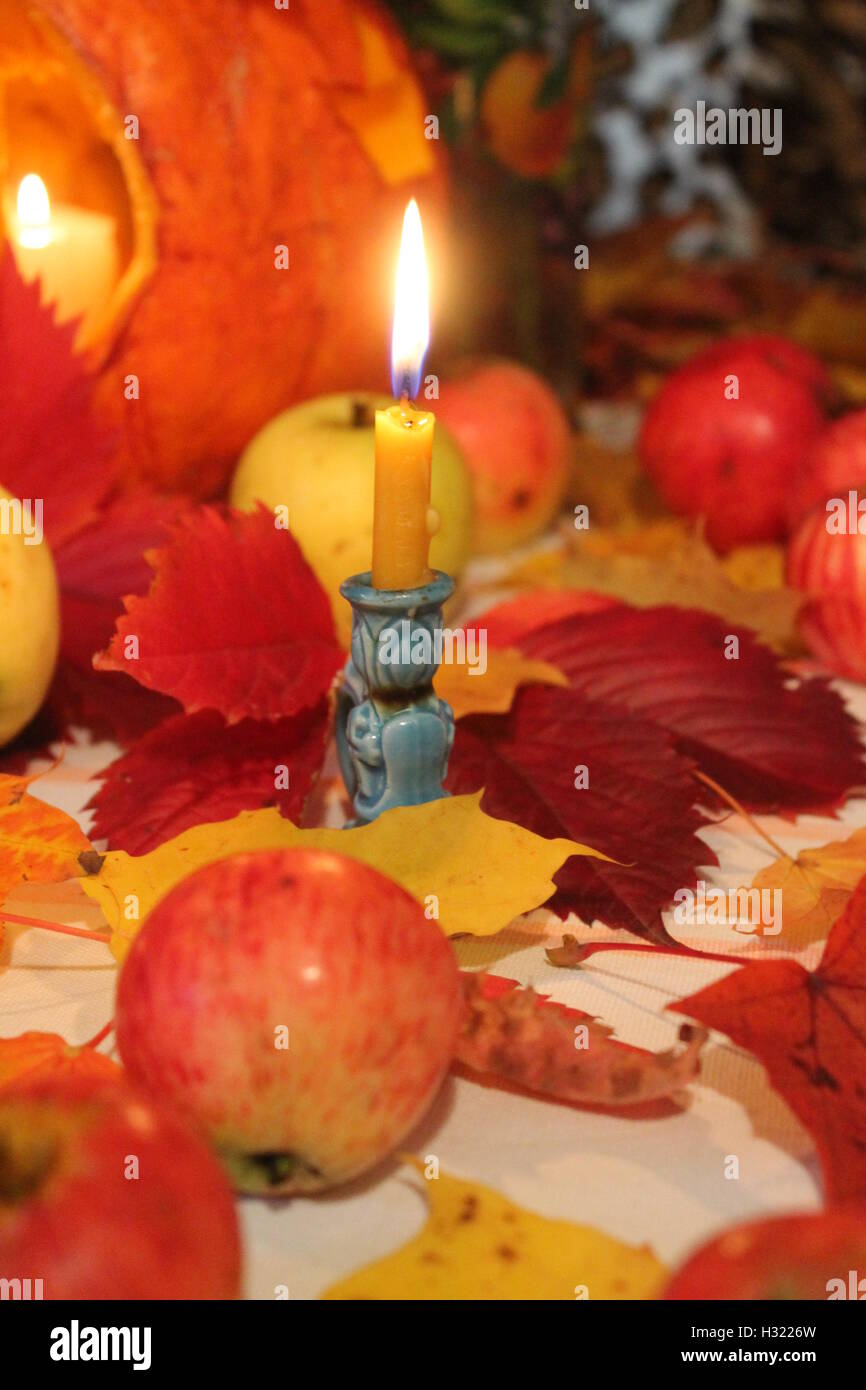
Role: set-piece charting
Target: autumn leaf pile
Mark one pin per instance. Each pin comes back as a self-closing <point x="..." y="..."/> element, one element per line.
<point x="600" y="743"/>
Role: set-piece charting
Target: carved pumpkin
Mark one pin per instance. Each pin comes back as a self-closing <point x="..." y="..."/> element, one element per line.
<point x="255" y="127"/>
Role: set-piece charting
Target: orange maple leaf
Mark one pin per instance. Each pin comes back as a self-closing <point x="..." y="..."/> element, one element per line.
<point x="38" y="843"/>
<point x="34" y="1057"/>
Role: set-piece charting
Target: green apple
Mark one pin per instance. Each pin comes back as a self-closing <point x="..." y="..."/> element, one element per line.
<point x="318" y="460"/>
<point x="29" y="617"/>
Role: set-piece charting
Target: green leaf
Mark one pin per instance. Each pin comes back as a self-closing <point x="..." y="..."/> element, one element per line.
<point x="553" y="87"/>
<point x="476" y="13"/>
<point x="455" y="42"/>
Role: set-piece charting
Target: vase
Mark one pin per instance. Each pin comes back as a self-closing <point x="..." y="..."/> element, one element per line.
<point x="394" y="734"/>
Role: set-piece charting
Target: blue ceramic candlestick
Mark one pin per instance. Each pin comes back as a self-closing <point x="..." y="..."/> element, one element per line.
<point x="394" y="734"/>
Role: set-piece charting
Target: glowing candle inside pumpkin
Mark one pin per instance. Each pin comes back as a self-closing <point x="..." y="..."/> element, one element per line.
<point x="402" y="520"/>
<point x="70" y="250"/>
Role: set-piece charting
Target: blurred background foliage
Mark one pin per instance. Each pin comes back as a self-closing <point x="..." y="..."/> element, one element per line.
<point x="560" y="125"/>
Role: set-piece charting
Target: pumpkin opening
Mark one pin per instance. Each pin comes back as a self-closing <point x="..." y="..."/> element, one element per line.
<point x="55" y="121"/>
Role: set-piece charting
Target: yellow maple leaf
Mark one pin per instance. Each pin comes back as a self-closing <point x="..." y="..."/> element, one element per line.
<point x="758" y="567"/>
<point x="38" y="843"/>
<point x="851" y="381"/>
<point x="608" y="478"/>
<point x="479" y="1245"/>
<point x="831" y="321"/>
<point x="483" y="872"/>
<point x="669" y="562"/>
<point x="815" y="886"/>
<point x="492" y="693"/>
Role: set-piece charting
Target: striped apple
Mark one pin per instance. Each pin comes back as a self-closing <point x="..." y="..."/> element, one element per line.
<point x="826" y="560"/>
<point x="835" y="463"/>
<point x="297" y="1007"/>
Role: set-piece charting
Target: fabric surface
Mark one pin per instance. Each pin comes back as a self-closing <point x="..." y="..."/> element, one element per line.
<point x="658" y="1178"/>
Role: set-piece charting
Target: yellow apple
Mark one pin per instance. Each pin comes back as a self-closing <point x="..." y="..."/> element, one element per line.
<point x="318" y="460"/>
<point x="29" y="620"/>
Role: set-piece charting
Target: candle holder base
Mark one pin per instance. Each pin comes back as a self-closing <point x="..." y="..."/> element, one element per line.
<point x="394" y="734"/>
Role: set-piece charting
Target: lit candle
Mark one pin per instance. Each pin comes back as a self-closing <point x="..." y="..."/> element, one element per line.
<point x="70" y="250"/>
<point x="403" y="521"/>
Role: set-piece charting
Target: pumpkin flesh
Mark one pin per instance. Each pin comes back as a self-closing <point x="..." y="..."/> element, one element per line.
<point x="258" y="128"/>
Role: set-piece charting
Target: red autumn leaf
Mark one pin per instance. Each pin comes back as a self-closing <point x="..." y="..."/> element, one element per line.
<point x="508" y="623"/>
<point x="638" y="808"/>
<point x="109" y="706"/>
<point x="235" y="621"/>
<point x="769" y="740"/>
<point x="808" y="1028"/>
<point x="50" y="444"/>
<point x="194" y="768"/>
<point x="526" y="1039"/>
<point x="37" y="1057"/>
<point x="105" y="562"/>
<point x="51" y="448"/>
<point x="97" y="568"/>
<point x="780" y="1257"/>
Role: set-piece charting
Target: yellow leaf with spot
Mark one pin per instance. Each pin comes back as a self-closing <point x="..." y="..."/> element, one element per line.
<point x="483" y="872"/>
<point x="492" y="692"/>
<point x="815" y="887"/>
<point x="479" y="1245"/>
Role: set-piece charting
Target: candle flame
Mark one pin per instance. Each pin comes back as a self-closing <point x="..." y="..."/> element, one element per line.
<point x="411" y="336"/>
<point x="34" y="212"/>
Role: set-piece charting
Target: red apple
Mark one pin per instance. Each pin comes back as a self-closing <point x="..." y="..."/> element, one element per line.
<point x="780" y="1257"/>
<point x="835" y="463"/>
<point x="828" y="564"/>
<point x="104" y="1196"/>
<point x="733" y="461"/>
<point x="296" y="1006"/>
<point x="516" y="441"/>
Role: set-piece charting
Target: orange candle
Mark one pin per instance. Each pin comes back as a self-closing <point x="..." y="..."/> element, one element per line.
<point x="401" y="534"/>
<point x="402" y="520"/>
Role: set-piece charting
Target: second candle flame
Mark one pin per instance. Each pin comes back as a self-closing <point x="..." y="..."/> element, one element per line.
<point x="34" y="212"/>
<point x="411" y="336"/>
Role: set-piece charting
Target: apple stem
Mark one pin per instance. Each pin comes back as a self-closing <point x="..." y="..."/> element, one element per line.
<point x="741" y="811"/>
<point x="55" y="926"/>
<point x="362" y="414"/>
<point x="101" y="1035"/>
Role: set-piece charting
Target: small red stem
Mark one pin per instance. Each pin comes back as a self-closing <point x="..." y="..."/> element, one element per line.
<point x="55" y="926"/>
<point x="741" y="811"/>
<point x="589" y="948"/>
<point x="101" y="1035"/>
